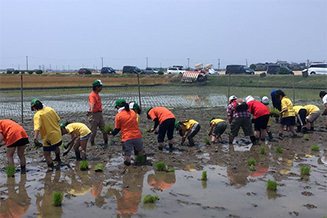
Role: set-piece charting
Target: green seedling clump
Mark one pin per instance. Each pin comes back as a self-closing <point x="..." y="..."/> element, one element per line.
<point x="272" y="185"/>
<point x="84" y="165"/>
<point x="278" y="150"/>
<point x="207" y="141"/>
<point x="57" y="198"/>
<point x="62" y="146"/>
<point x="204" y="176"/>
<point x="108" y="128"/>
<point x="251" y="161"/>
<point x="252" y="167"/>
<point x="171" y="170"/>
<point x="275" y="112"/>
<point x="315" y="147"/>
<point x="305" y="170"/>
<point x="10" y="170"/>
<point x="99" y="168"/>
<point x="150" y="198"/>
<point x="160" y="166"/>
<point x="140" y="159"/>
<point x="146" y="131"/>
<point x="262" y="150"/>
<point x="306" y="136"/>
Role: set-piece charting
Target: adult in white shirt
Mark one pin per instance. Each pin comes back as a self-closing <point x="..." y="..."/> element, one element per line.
<point x="323" y="96"/>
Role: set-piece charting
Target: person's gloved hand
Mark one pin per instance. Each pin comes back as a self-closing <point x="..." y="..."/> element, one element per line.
<point x="37" y="143"/>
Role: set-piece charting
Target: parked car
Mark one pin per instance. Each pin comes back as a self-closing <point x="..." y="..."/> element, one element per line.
<point x="105" y="70"/>
<point x="238" y="69"/>
<point x="131" y="69"/>
<point x="213" y="72"/>
<point x="84" y="71"/>
<point x="175" y="70"/>
<point x="151" y="70"/>
<point x="273" y="69"/>
<point x="318" y="68"/>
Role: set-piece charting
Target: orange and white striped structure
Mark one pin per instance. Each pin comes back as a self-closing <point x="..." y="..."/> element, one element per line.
<point x="190" y="76"/>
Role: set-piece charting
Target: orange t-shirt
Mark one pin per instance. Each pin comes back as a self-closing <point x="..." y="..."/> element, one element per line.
<point x="126" y="122"/>
<point x="94" y="98"/>
<point x="11" y="131"/>
<point x="161" y="113"/>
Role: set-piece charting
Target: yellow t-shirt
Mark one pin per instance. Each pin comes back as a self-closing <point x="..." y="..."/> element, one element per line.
<point x="311" y="109"/>
<point x="286" y="102"/>
<point x="46" y="121"/>
<point x="297" y="109"/>
<point x="137" y="118"/>
<point x="80" y="129"/>
<point x="215" y="121"/>
<point x="187" y="124"/>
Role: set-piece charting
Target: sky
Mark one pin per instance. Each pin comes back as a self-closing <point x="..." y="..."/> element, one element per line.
<point x="71" y="34"/>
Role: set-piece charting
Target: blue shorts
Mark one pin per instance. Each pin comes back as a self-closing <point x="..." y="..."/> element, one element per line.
<point x="128" y="145"/>
<point x="52" y="147"/>
<point x="86" y="137"/>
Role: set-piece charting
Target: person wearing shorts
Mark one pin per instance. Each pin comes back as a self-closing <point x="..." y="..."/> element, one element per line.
<point x="46" y="124"/>
<point x="287" y="112"/>
<point x="80" y="131"/>
<point x="188" y="129"/>
<point x="301" y="113"/>
<point x="95" y="116"/>
<point x="126" y="123"/>
<point x="14" y="136"/>
<point x="238" y="119"/>
<point x="261" y="117"/>
<point x="165" y="119"/>
<point x="313" y="112"/>
<point x="217" y="128"/>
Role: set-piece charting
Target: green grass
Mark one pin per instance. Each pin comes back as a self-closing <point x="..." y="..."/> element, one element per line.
<point x="251" y="161"/>
<point x="140" y="159"/>
<point x="278" y="150"/>
<point x="10" y="170"/>
<point x="262" y="150"/>
<point x="306" y="136"/>
<point x="204" y="176"/>
<point x="84" y="165"/>
<point x="305" y="170"/>
<point x="57" y="198"/>
<point x="207" y="141"/>
<point x="171" y="170"/>
<point x="99" y="168"/>
<point x="150" y="198"/>
<point x="272" y="185"/>
<point x="315" y="147"/>
<point x="160" y="166"/>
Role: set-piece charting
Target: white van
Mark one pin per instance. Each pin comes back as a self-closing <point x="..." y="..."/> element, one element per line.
<point x="318" y="68"/>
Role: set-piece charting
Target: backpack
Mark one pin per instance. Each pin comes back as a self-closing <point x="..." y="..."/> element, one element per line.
<point x="240" y="105"/>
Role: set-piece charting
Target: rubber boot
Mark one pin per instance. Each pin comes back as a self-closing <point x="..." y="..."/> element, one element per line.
<point x="83" y="156"/>
<point x="231" y="139"/>
<point x="57" y="158"/>
<point x="50" y="167"/>
<point x="304" y="129"/>
<point x="270" y="135"/>
<point x="23" y="169"/>
<point x="312" y="129"/>
<point x="298" y="129"/>
<point x="136" y="152"/>
<point x="127" y="163"/>
<point x="253" y="140"/>
<point x="170" y="146"/>
<point x="78" y="155"/>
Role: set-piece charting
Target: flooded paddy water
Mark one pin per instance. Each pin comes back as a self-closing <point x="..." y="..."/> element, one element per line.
<point x="232" y="189"/>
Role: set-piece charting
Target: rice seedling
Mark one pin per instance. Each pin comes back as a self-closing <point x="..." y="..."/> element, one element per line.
<point x="204" y="176"/>
<point x="207" y="141"/>
<point x="278" y="150"/>
<point x="146" y="131"/>
<point x="272" y="185"/>
<point x="62" y="146"/>
<point x="306" y="136"/>
<point x="99" y="168"/>
<point x="108" y="128"/>
<point x="150" y="198"/>
<point x="171" y="170"/>
<point x="275" y="113"/>
<point x="160" y="166"/>
<point x="305" y="170"/>
<point x="84" y="165"/>
<point x="251" y="161"/>
<point x="57" y="198"/>
<point x="10" y="171"/>
<point x="252" y="168"/>
<point x="315" y="147"/>
<point x="140" y="159"/>
<point x="262" y="150"/>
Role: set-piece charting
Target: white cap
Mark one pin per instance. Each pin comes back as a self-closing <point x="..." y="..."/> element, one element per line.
<point x="249" y="98"/>
<point x="265" y="100"/>
<point x="232" y="97"/>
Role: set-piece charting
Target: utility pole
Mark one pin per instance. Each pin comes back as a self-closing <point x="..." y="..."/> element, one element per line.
<point x="246" y="62"/>
<point x="26" y="62"/>
<point x="218" y="64"/>
<point x="188" y="63"/>
<point x="102" y="61"/>
<point x="146" y="62"/>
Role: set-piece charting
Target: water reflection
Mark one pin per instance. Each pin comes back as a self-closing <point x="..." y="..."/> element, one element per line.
<point x="18" y="202"/>
<point x="162" y="180"/>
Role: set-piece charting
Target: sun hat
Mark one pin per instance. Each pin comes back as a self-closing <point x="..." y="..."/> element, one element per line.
<point x="232" y="97"/>
<point x="265" y="100"/>
<point x="97" y="82"/>
<point x="249" y="98"/>
<point x="120" y="102"/>
<point x="147" y="110"/>
<point x="133" y="105"/>
<point x="176" y="125"/>
<point x="62" y="125"/>
<point x="34" y="101"/>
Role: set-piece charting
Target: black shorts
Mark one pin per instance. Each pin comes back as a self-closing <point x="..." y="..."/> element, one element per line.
<point x="261" y="122"/>
<point x="288" y="121"/>
<point x="20" y="142"/>
<point x="168" y="127"/>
